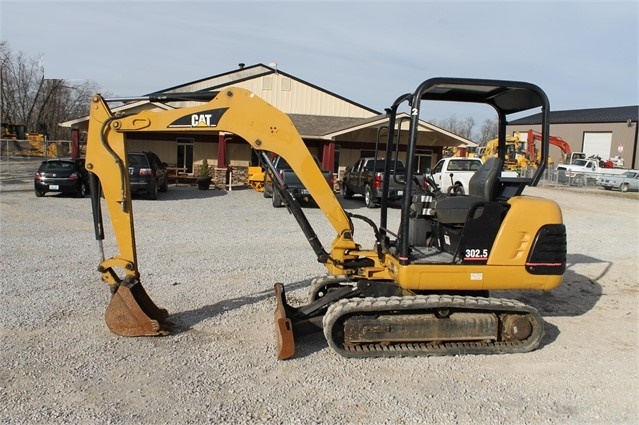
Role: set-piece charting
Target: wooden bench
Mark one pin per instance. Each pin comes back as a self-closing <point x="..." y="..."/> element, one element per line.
<point x="179" y="175"/>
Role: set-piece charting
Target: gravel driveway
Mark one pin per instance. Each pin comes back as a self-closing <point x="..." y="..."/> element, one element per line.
<point x="211" y="258"/>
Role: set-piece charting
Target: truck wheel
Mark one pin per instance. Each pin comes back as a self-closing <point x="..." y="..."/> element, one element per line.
<point x="579" y="181"/>
<point x="623" y="187"/>
<point x="369" y="199"/>
<point x="277" y="199"/>
<point x="346" y="192"/>
<point x="153" y="191"/>
<point x="164" y="187"/>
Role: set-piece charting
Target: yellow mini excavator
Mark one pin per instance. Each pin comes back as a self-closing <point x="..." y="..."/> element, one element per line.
<point x="421" y="289"/>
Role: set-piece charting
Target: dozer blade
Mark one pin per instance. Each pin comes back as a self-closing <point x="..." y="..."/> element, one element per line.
<point x="283" y="326"/>
<point x="131" y="312"/>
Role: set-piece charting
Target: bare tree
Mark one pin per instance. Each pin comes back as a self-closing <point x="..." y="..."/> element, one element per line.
<point x="489" y="131"/>
<point x="463" y="128"/>
<point x="28" y="98"/>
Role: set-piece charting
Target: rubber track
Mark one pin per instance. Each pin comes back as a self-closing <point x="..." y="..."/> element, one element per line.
<point x="327" y="280"/>
<point x="424" y="303"/>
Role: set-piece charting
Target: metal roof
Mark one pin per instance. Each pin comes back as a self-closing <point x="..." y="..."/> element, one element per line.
<point x="594" y="115"/>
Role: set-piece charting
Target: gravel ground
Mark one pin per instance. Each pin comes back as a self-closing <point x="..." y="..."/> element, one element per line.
<point x="211" y="259"/>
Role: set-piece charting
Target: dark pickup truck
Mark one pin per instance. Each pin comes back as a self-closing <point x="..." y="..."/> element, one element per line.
<point x="365" y="178"/>
<point x="291" y="180"/>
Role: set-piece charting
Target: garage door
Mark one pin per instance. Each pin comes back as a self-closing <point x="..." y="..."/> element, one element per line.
<point x="598" y="144"/>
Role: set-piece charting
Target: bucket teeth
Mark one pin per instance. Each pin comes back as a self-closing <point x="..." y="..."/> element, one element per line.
<point x="131" y="312"/>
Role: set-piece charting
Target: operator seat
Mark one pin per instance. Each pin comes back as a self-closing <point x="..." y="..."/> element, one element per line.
<point x="482" y="187"/>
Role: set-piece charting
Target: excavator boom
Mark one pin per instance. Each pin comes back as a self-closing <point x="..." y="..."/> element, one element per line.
<point x="131" y="311"/>
<point x="534" y="136"/>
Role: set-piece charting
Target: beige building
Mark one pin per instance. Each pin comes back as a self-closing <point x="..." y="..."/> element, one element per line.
<point x="602" y="132"/>
<point x="338" y="130"/>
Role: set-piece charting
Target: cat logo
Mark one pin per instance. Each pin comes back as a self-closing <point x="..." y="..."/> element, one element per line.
<point x="204" y="119"/>
<point x="201" y="120"/>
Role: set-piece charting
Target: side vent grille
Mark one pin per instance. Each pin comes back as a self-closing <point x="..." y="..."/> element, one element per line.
<point x="548" y="254"/>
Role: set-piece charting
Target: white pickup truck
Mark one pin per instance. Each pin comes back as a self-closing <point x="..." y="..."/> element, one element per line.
<point x="584" y="171"/>
<point x="454" y="173"/>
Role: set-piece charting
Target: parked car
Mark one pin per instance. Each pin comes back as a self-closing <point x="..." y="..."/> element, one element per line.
<point x="147" y="174"/>
<point x="624" y="182"/>
<point x="61" y="175"/>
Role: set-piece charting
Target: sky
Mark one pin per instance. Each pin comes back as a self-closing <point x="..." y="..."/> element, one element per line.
<point x="583" y="54"/>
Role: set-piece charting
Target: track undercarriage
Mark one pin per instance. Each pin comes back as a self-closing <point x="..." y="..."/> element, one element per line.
<point x="356" y="325"/>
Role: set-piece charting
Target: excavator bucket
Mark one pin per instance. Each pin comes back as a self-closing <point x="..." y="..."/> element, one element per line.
<point x="131" y="312"/>
<point x="283" y="326"/>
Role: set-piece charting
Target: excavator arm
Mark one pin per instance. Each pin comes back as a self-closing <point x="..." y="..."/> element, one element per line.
<point x="131" y="311"/>
<point x="534" y="136"/>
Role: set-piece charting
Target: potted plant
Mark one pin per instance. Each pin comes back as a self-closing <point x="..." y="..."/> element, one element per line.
<point x="204" y="178"/>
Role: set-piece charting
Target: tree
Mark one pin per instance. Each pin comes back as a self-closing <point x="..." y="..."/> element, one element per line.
<point x="464" y="128"/>
<point x="28" y="98"/>
<point x="489" y="131"/>
<point x="461" y="128"/>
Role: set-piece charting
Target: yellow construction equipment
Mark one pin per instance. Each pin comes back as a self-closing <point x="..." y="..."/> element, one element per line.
<point x="255" y="177"/>
<point x="515" y="158"/>
<point x="29" y="144"/>
<point x="421" y="289"/>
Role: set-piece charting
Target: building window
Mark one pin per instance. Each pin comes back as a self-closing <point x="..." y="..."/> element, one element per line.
<point x="185" y="154"/>
<point x="423" y="161"/>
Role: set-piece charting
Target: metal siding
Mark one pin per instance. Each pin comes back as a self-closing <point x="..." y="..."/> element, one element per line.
<point x="204" y="150"/>
<point x="302" y="99"/>
<point x="622" y="134"/>
<point x="241" y="154"/>
<point x="167" y="151"/>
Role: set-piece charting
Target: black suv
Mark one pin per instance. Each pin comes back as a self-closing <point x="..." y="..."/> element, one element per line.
<point x="147" y="174"/>
<point x="62" y="175"/>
